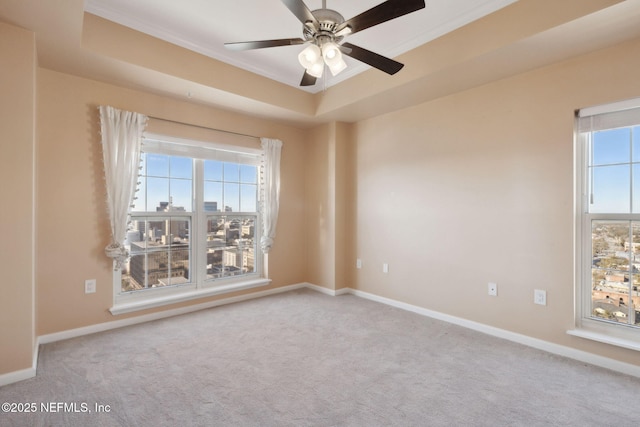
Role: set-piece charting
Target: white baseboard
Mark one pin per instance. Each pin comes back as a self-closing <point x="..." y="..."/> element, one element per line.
<point x="326" y="291"/>
<point x="23" y="374"/>
<point x="560" y="350"/>
<point x="101" y="327"/>
<point x="16" y="376"/>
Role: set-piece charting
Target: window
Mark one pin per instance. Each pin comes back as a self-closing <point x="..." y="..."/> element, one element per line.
<point x="195" y="224"/>
<point x="608" y="276"/>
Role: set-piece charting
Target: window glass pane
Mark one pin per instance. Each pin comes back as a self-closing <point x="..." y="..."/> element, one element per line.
<point x="247" y="229"/>
<point x="247" y="244"/>
<point x="611" y="146"/>
<point x="157" y="165"/>
<point x="248" y="194"/>
<point x="231" y="246"/>
<point x="231" y="172"/>
<point x="181" y="195"/>
<point x="610" y="189"/>
<point x="248" y="174"/>
<point x="216" y="237"/>
<point x="636" y="188"/>
<point x="157" y="194"/>
<point x="216" y="242"/>
<point x="181" y="167"/>
<point x="634" y="307"/>
<point x="212" y="170"/>
<point x="213" y="196"/>
<point x="178" y="232"/>
<point x="612" y="270"/>
<point x="157" y="268"/>
<point x="635" y="132"/>
<point x="160" y="253"/>
<point x="610" y="302"/>
<point x="179" y="249"/>
<point x="133" y="273"/>
<point x="231" y="197"/>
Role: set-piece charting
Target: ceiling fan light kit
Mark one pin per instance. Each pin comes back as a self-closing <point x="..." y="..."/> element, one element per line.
<point x="309" y="56"/>
<point x="324" y="29"/>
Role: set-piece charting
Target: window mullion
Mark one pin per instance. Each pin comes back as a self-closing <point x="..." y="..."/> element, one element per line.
<point x="589" y="143"/>
<point x="199" y="224"/>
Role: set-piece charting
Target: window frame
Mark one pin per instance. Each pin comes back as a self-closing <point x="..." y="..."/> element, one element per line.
<point x="199" y="151"/>
<point x="586" y="325"/>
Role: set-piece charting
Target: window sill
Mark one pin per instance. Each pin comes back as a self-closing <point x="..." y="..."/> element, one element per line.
<point x="173" y="298"/>
<point x="605" y="338"/>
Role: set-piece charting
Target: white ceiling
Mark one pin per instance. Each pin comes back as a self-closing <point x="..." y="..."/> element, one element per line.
<point x="204" y="26"/>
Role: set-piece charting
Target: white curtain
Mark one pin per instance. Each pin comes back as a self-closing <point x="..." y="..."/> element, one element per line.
<point x="121" y="133"/>
<point x="271" y="190"/>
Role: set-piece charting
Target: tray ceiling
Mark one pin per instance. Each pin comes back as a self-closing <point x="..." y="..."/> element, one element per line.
<point x="204" y="26"/>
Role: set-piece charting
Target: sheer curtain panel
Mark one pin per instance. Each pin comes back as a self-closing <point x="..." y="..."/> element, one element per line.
<point x="271" y="189"/>
<point x="121" y="136"/>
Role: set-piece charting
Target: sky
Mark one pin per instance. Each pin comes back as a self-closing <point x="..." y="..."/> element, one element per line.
<point x="163" y="177"/>
<point x="615" y="175"/>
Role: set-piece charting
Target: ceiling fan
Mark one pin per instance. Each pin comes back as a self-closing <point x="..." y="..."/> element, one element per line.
<point x="324" y="30"/>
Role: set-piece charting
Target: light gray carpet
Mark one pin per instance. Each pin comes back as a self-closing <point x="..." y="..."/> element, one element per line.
<point x="306" y="359"/>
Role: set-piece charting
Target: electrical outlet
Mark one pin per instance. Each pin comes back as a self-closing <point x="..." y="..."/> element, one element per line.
<point x="385" y="268"/>
<point x="540" y="297"/>
<point x="90" y="286"/>
<point x="358" y="263"/>
<point x="493" y="289"/>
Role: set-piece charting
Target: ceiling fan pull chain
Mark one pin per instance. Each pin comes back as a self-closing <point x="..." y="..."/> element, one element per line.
<point x="324" y="81"/>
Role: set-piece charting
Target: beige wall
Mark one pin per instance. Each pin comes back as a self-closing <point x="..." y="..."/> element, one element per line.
<point x="72" y="219"/>
<point x="329" y="200"/>
<point x="345" y="257"/>
<point x="320" y="207"/>
<point x="453" y="193"/>
<point x="17" y="140"/>
<point x="478" y="187"/>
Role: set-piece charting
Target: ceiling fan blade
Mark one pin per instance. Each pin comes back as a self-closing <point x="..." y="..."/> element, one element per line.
<point x="383" y="12"/>
<point x="380" y="62"/>
<point x="307" y="80"/>
<point x="262" y="44"/>
<point x="301" y="11"/>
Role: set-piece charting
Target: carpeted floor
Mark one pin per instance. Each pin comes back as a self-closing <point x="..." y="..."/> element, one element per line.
<point x="306" y="359"/>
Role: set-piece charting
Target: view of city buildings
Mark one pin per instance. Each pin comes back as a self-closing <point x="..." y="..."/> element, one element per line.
<point x="616" y="271"/>
<point x="161" y="252"/>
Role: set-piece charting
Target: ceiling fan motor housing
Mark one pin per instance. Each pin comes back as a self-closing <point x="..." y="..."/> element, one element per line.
<point x="329" y="21"/>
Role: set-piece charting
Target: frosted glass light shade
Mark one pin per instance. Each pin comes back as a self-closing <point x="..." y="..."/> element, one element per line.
<point x="309" y="56"/>
<point x="337" y="67"/>
<point x="316" y="68"/>
<point x="331" y="53"/>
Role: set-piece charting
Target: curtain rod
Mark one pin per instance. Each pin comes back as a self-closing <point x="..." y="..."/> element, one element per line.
<point x="204" y="127"/>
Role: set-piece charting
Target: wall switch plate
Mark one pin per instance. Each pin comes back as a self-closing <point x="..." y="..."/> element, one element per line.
<point x="493" y="289"/>
<point x="358" y="263"/>
<point x="540" y="297"/>
<point x="385" y="268"/>
<point x="90" y="286"/>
